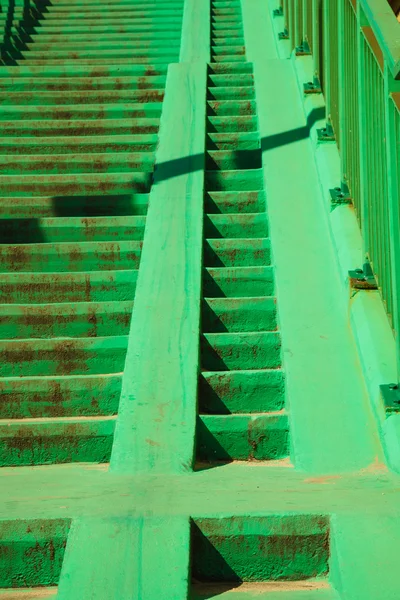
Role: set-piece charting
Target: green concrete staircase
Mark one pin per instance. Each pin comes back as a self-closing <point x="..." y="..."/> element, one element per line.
<point x="183" y="415"/>
<point x="81" y="92"/>
<point x="241" y="392"/>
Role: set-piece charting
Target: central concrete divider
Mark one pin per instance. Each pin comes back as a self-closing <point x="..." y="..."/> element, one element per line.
<point x="122" y="553"/>
<point x="195" y="42"/>
<point x="157" y="416"/>
<point x="155" y="430"/>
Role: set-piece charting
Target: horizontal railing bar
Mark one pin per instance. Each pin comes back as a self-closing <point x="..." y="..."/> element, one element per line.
<point x="374" y="45"/>
<point x="386" y="29"/>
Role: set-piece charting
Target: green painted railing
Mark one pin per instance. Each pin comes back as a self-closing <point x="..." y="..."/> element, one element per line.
<point x="11" y="16"/>
<point x="355" y="45"/>
<point x="17" y="20"/>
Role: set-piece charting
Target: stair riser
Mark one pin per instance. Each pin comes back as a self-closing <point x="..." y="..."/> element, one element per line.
<point x="228" y="351"/>
<point x="271" y="548"/>
<point x="237" y="253"/>
<point x="50" y="443"/>
<point x="72" y="112"/>
<point x="234" y="202"/>
<point x="38" y="288"/>
<point x="69" y="205"/>
<point x="232" y="392"/>
<point x="27" y="358"/>
<point x="238" y="282"/>
<point x="75" y="164"/>
<point x="71" y="229"/>
<point x="225" y="438"/>
<point x="77" y="128"/>
<point x="158" y="60"/>
<point x="51" y="98"/>
<point x="73" y="70"/>
<point x="50" y="397"/>
<point x="232" y="315"/>
<point x="62" y="186"/>
<point x="82" y="84"/>
<point x="62" y="320"/>
<point x="92" y="256"/>
<point x="32" y="552"/>
<point x="235" y="226"/>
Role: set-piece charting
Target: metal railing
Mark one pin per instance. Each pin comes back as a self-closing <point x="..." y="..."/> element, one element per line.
<point x="16" y="19"/>
<point x="11" y="13"/>
<point x="355" y="45"/>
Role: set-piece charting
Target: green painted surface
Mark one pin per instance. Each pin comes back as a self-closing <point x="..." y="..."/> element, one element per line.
<point x="62" y="356"/>
<point x="226" y="392"/>
<point x="233" y="282"/>
<point x="74" y="395"/>
<point x="153" y="404"/>
<point x="52" y="440"/>
<point x="136" y="543"/>
<point x="226" y="351"/>
<point x="372" y="542"/>
<point x="324" y="376"/>
<point x="239" y="314"/>
<point x="81" y="104"/>
<point x="263" y="549"/>
<point x="259" y="592"/>
<point x="222" y="438"/>
<point x="239" y="348"/>
<point x="222" y="492"/>
<point x="32" y="552"/>
<point x="240" y="345"/>
<point x="232" y="489"/>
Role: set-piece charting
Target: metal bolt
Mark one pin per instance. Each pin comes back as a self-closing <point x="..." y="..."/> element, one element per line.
<point x="393" y="386"/>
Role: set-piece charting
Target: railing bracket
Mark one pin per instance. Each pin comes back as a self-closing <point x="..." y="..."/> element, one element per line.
<point x="391" y="397"/>
<point x="303" y="49"/>
<point x="340" y="195"/>
<point x="326" y="134"/>
<point x="363" y="279"/>
<point x="283" y="35"/>
<point x="312" y="87"/>
<point x="278" y="12"/>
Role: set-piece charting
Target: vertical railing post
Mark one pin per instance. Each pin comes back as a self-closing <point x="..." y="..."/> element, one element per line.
<point x="327" y="25"/>
<point x="286" y="14"/>
<point x="316" y="37"/>
<point x="298" y="38"/>
<point x="391" y="393"/>
<point x="292" y="22"/>
<point x="342" y="84"/>
<point x="362" y="120"/>
<point x="305" y="15"/>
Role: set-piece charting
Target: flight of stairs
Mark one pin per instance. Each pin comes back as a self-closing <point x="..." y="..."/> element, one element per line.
<point x="81" y="91"/>
<point x="241" y="392"/>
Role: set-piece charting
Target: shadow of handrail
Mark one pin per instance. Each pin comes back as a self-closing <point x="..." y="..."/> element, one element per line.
<point x="190" y="164"/>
